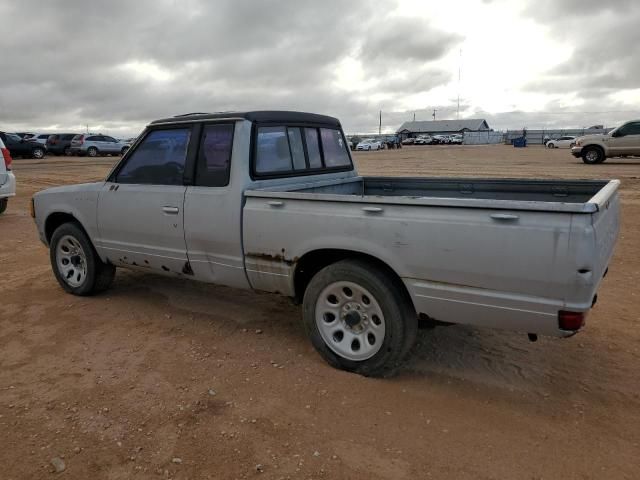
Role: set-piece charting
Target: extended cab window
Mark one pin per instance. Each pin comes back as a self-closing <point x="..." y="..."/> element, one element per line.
<point x="630" y="129"/>
<point x="334" y="148"/>
<point x="214" y="156"/>
<point x="286" y="150"/>
<point x="158" y="160"/>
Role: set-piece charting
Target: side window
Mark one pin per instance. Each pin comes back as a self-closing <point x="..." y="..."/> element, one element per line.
<point x="632" y="129"/>
<point x="313" y="147"/>
<point x="109" y="139"/>
<point x="334" y="148"/>
<point x="297" y="149"/>
<point x="272" y="150"/>
<point x="214" y="157"/>
<point x="158" y="160"/>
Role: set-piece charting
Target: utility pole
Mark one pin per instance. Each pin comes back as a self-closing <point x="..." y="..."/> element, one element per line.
<point x="414" y="116"/>
<point x="380" y="124"/>
<point x="459" y="70"/>
<point x="434" y="114"/>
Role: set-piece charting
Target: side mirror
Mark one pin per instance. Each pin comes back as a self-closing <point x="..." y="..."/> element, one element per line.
<point x="617" y="133"/>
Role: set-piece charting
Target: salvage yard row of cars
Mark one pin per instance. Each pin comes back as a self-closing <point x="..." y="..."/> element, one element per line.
<point x="29" y="145"/>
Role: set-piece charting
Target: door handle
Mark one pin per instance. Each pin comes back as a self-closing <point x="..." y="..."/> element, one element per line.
<point x="506" y="217"/>
<point x="372" y="209"/>
<point x="171" y="210"/>
<point x="275" y="203"/>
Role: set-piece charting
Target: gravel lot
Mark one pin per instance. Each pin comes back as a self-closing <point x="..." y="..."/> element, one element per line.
<point x="166" y="378"/>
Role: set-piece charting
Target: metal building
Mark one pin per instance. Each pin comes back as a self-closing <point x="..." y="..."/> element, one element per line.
<point x="442" y="127"/>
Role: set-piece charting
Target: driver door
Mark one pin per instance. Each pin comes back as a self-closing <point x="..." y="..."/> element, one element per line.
<point x="140" y="208"/>
<point x="627" y="140"/>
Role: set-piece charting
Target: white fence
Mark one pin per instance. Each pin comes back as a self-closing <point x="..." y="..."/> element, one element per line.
<point x="483" y="138"/>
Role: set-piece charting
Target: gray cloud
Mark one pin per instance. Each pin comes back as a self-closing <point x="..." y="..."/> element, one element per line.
<point x="67" y="66"/>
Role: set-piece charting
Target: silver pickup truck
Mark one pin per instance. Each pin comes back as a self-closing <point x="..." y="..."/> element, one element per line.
<point x="271" y="201"/>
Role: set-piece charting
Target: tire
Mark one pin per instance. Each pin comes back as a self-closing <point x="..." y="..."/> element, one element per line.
<point x="75" y="263"/>
<point x="4" y="202"/>
<point x="550" y="145"/>
<point x="37" y="153"/>
<point x="592" y="155"/>
<point x="92" y="151"/>
<point x="377" y="325"/>
<point x="67" y="151"/>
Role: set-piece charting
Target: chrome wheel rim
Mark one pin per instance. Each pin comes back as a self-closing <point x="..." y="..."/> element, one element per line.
<point x="71" y="261"/>
<point x="350" y="320"/>
<point x="92" y="152"/>
<point x="592" y="155"/>
<point x="38" y="153"/>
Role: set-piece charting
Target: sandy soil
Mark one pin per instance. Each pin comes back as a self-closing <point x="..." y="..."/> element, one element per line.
<point x="166" y="378"/>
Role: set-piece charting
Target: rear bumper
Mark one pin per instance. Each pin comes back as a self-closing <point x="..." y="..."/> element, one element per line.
<point x="487" y="308"/>
<point x="8" y="189"/>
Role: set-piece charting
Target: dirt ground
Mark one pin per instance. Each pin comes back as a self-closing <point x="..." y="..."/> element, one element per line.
<point x="168" y="378"/>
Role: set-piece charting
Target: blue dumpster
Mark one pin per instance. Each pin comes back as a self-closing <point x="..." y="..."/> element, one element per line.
<point x="519" y="142"/>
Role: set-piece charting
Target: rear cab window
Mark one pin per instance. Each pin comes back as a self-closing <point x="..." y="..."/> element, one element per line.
<point x="292" y="150"/>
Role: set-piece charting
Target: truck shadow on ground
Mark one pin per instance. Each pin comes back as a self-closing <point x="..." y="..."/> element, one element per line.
<point x="486" y="357"/>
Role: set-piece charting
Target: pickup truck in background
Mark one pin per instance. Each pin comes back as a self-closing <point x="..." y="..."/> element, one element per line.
<point x="623" y="141"/>
<point x="271" y="201"/>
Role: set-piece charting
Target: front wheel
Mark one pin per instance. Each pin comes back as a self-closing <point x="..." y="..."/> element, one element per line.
<point x="359" y="319"/>
<point x="4" y="202"/>
<point x="592" y="155"/>
<point x="76" y="264"/>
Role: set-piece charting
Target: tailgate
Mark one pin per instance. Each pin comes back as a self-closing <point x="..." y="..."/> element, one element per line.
<point x="606" y="225"/>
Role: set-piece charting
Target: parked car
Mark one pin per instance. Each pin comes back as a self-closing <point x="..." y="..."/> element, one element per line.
<point x="366" y="256"/>
<point x="25" y="135"/>
<point x="40" y="138"/>
<point x="19" y="147"/>
<point x="621" y="141"/>
<point x="353" y="141"/>
<point x="7" y="179"/>
<point x="456" y="139"/>
<point x="424" y="140"/>
<point x="562" y="142"/>
<point x="369" y="144"/>
<point x="60" y="143"/>
<point x="94" y="145"/>
<point x="408" y="141"/>
<point x="441" y="139"/>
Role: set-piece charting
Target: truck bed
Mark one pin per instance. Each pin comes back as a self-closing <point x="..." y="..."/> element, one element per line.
<point x="510" y="254"/>
<point x="576" y="196"/>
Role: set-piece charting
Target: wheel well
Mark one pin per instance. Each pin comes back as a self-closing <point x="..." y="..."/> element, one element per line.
<point x="311" y="263"/>
<point x="55" y="220"/>
<point x="593" y="145"/>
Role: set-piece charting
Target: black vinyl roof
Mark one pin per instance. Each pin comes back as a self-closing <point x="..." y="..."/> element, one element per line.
<point x="262" y="116"/>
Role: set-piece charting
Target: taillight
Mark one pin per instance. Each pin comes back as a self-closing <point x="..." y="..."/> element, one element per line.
<point x="571" y="321"/>
<point x="7" y="158"/>
<point x="81" y="139"/>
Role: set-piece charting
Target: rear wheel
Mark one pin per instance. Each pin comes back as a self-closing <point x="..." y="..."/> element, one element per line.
<point x="37" y="152"/>
<point x="92" y="151"/>
<point x="359" y="319"/>
<point x="4" y="202"/>
<point x="67" y="151"/>
<point x="592" y="155"/>
<point x="76" y="264"/>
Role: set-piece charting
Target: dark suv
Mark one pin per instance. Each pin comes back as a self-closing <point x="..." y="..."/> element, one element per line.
<point x="60" y="143"/>
<point x="19" y="147"/>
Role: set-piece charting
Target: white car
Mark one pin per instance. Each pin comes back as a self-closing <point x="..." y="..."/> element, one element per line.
<point x="562" y="142"/>
<point x="456" y="139"/>
<point x="369" y="144"/>
<point x="40" y="138"/>
<point x="7" y="179"/>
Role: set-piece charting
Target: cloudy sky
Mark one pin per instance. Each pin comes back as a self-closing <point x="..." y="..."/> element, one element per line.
<point x="117" y="64"/>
